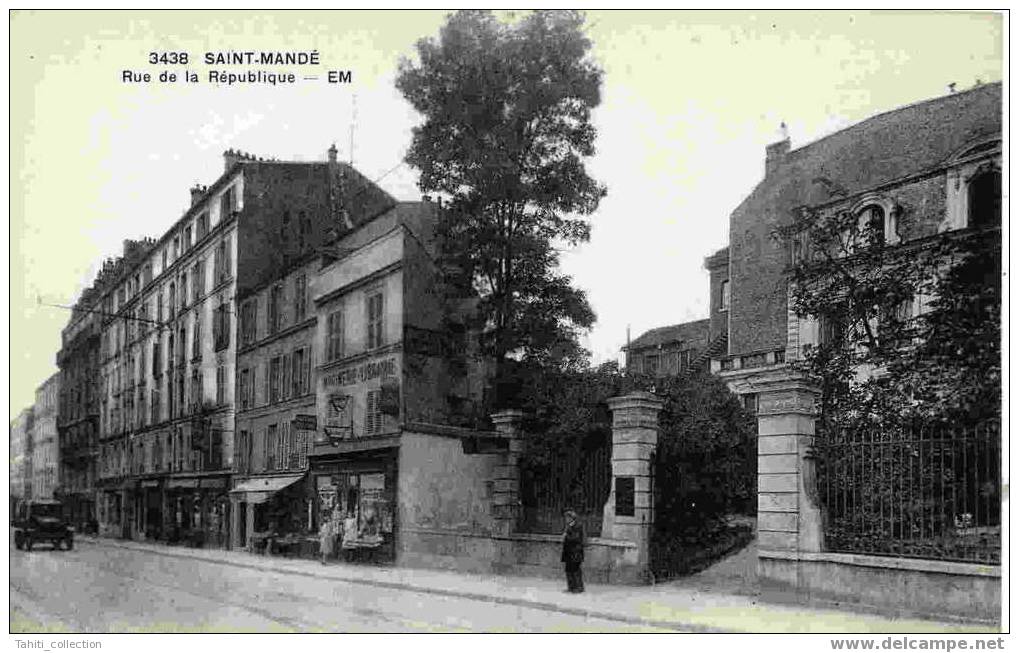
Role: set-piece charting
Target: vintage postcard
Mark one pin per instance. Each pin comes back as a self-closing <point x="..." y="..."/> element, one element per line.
<point x="530" y="321"/>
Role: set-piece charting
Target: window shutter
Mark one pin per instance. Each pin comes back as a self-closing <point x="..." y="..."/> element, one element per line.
<point x="306" y="373"/>
<point x="268" y="373"/>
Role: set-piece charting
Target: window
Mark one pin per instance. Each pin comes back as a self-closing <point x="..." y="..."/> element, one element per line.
<point x="750" y="403"/>
<point x="176" y="247"/>
<point x="725" y="296"/>
<point x="182" y="346"/>
<point x="271" y="437"/>
<point x="726" y="364"/>
<point x="334" y="344"/>
<point x="286" y="379"/>
<point x="275" y="370"/>
<point x="198" y="280"/>
<point x="301" y="371"/>
<point x="684" y="360"/>
<point x="187" y="238"/>
<point x="215" y="458"/>
<point x="180" y="405"/>
<point x="222" y="261"/>
<point x="300" y="297"/>
<point x="872" y="223"/>
<point x="249" y="311"/>
<point x="221" y="384"/>
<point x="159" y="306"/>
<point x="196" y="337"/>
<point x="984" y="200"/>
<point x="243" y="455"/>
<point x="163" y="269"/>
<point x="272" y="314"/>
<point x="183" y="290"/>
<point x="374" y="310"/>
<point x="780" y="355"/>
<point x="246" y="388"/>
<point x="196" y="389"/>
<point x="157" y="360"/>
<point x="203" y="225"/>
<point x="373" y="413"/>
<point x="227" y="203"/>
<point x="173" y="300"/>
<point x="831" y="330"/>
<point x="651" y="364"/>
<point x="221" y="327"/>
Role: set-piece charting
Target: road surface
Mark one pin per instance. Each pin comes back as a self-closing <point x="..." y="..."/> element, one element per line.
<point x="102" y="589"/>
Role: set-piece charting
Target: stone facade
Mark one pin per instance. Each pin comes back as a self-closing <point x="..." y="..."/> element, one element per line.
<point x="45" y="443"/>
<point x="78" y="411"/>
<point x="21" y="428"/>
<point x="913" y="162"/>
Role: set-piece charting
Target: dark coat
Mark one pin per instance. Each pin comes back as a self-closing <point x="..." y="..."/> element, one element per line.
<point x="573" y="544"/>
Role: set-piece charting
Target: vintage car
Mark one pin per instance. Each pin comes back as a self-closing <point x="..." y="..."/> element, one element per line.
<point x="41" y="521"/>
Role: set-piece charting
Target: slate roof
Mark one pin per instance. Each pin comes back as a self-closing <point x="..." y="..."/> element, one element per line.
<point x="884" y="148"/>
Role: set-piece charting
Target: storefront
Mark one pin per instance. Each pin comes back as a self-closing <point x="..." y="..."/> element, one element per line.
<point x="272" y="508"/>
<point x="115" y="502"/>
<point x="149" y="510"/>
<point x="196" y="512"/>
<point x="358" y="492"/>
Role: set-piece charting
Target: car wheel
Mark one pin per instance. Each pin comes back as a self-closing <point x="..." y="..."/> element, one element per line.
<point x="19" y="541"/>
<point x="28" y="543"/>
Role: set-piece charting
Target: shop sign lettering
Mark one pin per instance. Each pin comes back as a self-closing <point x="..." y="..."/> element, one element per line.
<point x="361" y="373"/>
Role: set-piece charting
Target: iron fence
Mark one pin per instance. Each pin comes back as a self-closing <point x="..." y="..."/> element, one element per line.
<point x="573" y="473"/>
<point x="924" y="491"/>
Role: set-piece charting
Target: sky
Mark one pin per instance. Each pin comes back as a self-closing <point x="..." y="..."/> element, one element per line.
<point x="689" y="102"/>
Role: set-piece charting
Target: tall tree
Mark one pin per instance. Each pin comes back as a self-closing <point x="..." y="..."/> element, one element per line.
<point x="507" y="126"/>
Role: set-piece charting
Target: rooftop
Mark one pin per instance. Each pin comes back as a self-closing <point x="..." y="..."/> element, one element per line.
<point x="695" y="332"/>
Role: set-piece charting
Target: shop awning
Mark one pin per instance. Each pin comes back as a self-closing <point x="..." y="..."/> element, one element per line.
<point x="258" y="490"/>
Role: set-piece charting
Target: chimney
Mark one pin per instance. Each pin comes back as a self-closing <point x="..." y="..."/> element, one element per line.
<point x="332" y="153"/>
<point x="775" y="153"/>
<point x="230" y="157"/>
<point x="197" y="193"/>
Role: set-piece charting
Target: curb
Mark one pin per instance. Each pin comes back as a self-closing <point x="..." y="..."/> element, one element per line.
<point x="474" y="596"/>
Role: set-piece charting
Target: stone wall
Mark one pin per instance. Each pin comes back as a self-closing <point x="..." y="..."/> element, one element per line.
<point x="441" y="487"/>
<point x="906" y="587"/>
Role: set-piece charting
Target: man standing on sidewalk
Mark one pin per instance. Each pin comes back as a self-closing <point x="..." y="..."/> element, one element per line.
<point x="573" y="553"/>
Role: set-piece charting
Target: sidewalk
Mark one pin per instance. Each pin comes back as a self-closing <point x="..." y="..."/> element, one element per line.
<point x="667" y="605"/>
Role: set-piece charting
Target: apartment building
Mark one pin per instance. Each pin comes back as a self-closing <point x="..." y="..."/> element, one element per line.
<point x="169" y="341"/>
